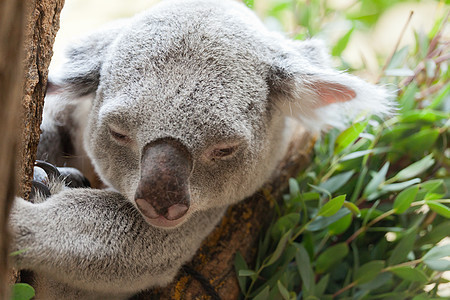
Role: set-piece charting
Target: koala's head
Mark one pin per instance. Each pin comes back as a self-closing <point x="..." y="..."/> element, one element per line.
<point x="190" y="101"/>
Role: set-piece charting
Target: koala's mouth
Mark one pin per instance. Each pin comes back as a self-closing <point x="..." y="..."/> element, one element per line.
<point x="162" y="222"/>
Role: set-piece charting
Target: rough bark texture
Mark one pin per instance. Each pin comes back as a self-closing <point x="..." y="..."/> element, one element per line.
<point x="238" y="231"/>
<point x="42" y="26"/>
<point x="27" y="32"/>
<point x="12" y="20"/>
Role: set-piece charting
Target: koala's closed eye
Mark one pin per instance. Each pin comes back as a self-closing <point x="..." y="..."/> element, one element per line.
<point x="222" y="151"/>
<point x="119" y="135"/>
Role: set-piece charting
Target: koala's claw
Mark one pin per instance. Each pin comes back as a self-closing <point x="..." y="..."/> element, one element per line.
<point x="36" y="187"/>
<point x="50" y="169"/>
<point x="74" y="178"/>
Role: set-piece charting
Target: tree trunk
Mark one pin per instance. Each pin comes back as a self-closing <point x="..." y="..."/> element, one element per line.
<point x="12" y="22"/>
<point x="27" y="33"/>
<point x="239" y="231"/>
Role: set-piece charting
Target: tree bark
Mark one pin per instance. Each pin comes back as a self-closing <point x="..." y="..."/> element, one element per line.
<point x="239" y="231"/>
<point x="12" y="15"/>
<point x="42" y="26"/>
<point x="27" y="33"/>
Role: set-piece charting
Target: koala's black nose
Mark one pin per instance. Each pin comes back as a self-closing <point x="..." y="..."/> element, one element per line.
<point x="163" y="189"/>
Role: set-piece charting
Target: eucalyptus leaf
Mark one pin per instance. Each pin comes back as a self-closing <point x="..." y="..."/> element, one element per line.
<point x="377" y="179"/>
<point x="294" y="188"/>
<point x="353" y="208"/>
<point x="394" y="187"/>
<point x="332" y="206"/>
<point x="331" y="257"/>
<point x="415" y="169"/>
<point x="240" y="264"/>
<point x="348" y="136"/>
<point x="279" y="249"/>
<point x="438" y="264"/>
<point x="323" y="222"/>
<point x="263" y="295"/>
<point x="246" y="273"/>
<point x="410" y="274"/>
<point x="341" y="44"/>
<point x="304" y="268"/>
<point x="361" y="153"/>
<point x="401" y="250"/>
<point x="368" y="271"/>
<point x="439" y="208"/>
<point x="438" y="252"/>
<point x="405" y="198"/>
<point x="283" y="291"/>
<point x="22" y="291"/>
<point x="336" y="182"/>
<point x="341" y="225"/>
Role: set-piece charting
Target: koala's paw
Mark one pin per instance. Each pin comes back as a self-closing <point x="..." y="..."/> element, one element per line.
<point x="48" y="180"/>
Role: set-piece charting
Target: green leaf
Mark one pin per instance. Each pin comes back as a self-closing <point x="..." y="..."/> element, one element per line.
<point x="322" y="285"/>
<point x="410" y="274"/>
<point x="294" y="189"/>
<point x="18" y="252"/>
<point x="438" y="264"/>
<point x="368" y="271"/>
<point x="264" y="294"/>
<point x="322" y="222"/>
<point x="377" y="282"/>
<point x="304" y="268"/>
<point x="22" y="291"/>
<point x="437" y="233"/>
<point x="419" y="142"/>
<point x="341" y="225"/>
<point x="438" y="252"/>
<point x="332" y="206"/>
<point x="249" y="3"/>
<point x="310" y="196"/>
<point x="239" y="265"/>
<point x="402" y="72"/>
<point x="361" y="153"/>
<point x="439" y="208"/>
<point x="331" y="257"/>
<point x="353" y="208"/>
<point x="348" y="136"/>
<point x="433" y="258"/>
<point x="401" y="250"/>
<point x="399" y="186"/>
<point x="377" y="179"/>
<point x="283" y="291"/>
<point x="279" y="249"/>
<point x="404" y="199"/>
<point x="426" y="115"/>
<point x="283" y="224"/>
<point x="408" y="100"/>
<point x="336" y="182"/>
<point x="440" y="98"/>
<point x="341" y="44"/>
<point x="244" y="273"/>
<point x="415" y="169"/>
<point x="398" y="58"/>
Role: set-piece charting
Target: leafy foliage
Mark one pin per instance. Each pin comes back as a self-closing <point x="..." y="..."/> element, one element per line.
<point x="367" y="219"/>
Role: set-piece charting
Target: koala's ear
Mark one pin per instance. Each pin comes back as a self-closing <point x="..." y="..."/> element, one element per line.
<point x="305" y="87"/>
<point x="79" y="75"/>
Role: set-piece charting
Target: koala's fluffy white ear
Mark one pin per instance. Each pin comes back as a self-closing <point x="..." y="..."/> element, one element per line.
<point x="79" y="75"/>
<point x="305" y="87"/>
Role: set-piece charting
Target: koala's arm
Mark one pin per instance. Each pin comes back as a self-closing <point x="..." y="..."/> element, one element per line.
<point x="95" y="240"/>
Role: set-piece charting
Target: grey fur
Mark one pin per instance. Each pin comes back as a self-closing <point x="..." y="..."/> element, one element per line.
<point x="203" y="72"/>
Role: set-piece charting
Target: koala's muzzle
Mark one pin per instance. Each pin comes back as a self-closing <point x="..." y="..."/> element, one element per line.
<point x="163" y="190"/>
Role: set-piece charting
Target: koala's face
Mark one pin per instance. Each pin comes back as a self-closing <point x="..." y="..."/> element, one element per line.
<point x="183" y="123"/>
<point x="190" y="101"/>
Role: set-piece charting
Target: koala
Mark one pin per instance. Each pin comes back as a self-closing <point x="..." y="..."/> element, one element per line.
<point x="182" y="110"/>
